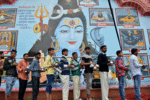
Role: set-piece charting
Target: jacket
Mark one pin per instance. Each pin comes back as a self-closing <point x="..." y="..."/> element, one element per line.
<point x="10" y="69"/>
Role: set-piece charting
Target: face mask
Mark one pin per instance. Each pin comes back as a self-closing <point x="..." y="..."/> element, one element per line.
<point x="2" y="57"/>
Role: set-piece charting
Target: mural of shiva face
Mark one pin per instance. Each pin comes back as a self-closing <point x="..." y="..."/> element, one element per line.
<point x="69" y="33"/>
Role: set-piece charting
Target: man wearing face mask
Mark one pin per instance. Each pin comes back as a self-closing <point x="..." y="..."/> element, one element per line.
<point x="1" y="65"/>
<point x="11" y="73"/>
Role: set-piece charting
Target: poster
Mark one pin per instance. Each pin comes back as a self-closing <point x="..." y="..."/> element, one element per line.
<point x="71" y="24"/>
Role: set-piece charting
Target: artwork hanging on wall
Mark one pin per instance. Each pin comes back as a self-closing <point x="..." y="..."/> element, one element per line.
<point x="8" y="40"/>
<point x="100" y="17"/>
<point x="148" y="32"/>
<point x="8" y="17"/>
<point x="132" y="38"/>
<point x="142" y="59"/>
<point x="88" y="2"/>
<point x="127" y="16"/>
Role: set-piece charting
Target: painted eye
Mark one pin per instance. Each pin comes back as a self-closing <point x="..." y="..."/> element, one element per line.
<point x="78" y="31"/>
<point x="64" y="31"/>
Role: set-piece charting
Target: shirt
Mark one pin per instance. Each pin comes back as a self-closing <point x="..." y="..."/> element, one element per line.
<point x="102" y="62"/>
<point x="34" y="68"/>
<point x="63" y="64"/>
<point x="1" y="67"/>
<point x="48" y="62"/>
<point x="134" y="65"/>
<point x="87" y="59"/>
<point x="120" y="67"/>
<point x="77" y="72"/>
<point x="21" y="66"/>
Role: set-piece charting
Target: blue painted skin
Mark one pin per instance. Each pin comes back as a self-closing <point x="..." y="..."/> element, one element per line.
<point x="64" y="34"/>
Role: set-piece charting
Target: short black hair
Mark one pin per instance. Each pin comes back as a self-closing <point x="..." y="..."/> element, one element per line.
<point x="74" y="53"/>
<point x="50" y="49"/>
<point x="64" y="50"/>
<point x="25" y="54"/>
<point x="134" y="50"/>
<point x="87" y="48"/>
<point x="118" y="52"/>
<point x="103" y="46"/>
<point x="13" y="51"/>
<point x="38" y="53"/>
<point x="1" y="52"/>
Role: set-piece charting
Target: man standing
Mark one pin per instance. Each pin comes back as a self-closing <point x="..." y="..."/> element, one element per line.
<point x="50" y="73"/>
<point x="103" y="63"/>
<point x="120" y="73"/>
<point x="136" y="72"/>
<point x="35" y="68"/>
<point x="76" y="76"/>
<point x="22" y="75"/>
<point x="64" y="64"/>
<point x="87" y="61"/>
<point x="11" y="73"/>
<point x="1" y="65"/>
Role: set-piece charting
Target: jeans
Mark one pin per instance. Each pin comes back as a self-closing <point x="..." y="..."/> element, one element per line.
<point x="137" y="84"/>
<point x="22" y="88"/>
<point x="88" y="82"/>
<point x="50" y="79"/>
<point x="35" y="87"/>
<point x="10" y="82"/>
<point x="122" y="87"/>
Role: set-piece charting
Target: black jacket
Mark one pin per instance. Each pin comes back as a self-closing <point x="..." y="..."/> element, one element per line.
<point x="10" y="69"/>
<point x="102" y="62"/>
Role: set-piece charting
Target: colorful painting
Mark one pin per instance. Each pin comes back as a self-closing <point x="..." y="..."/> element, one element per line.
<point x="8" y="40"/>
<point x="148" y="32"/>
<point x="88" y="2"/>
<point x="100" y="17"/>
<point x="142" y="59"/>
<point x="127" y="16"/>
<point x="8" y="17"/>
<point x="132" y="38"/>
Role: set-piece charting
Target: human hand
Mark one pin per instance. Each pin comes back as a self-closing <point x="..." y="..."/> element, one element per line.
<point x="15" y="64"/>
<point x="143" y="66"/>
<point x="70" y="65"/>
<point x="109" y="64"/>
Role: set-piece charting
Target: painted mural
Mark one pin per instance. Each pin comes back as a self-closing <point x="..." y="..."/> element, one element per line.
<point x="30" y="26"/>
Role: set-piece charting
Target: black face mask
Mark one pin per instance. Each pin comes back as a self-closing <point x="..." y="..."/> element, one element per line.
<point x="2" y="57"/>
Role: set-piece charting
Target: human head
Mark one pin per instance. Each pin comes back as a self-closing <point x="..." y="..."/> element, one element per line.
<point x="73" y="37"/>
<point x="1" y="54"/>
<point x="87" y="50"/>
<point x="119" y="53"/>
<point x="13" y="53"/>
<point x="65" y="52"/>
<point x="104" y="48"/>
<point x="25" y="56"/>
<point x="51" y="51"/>
<point x="134" y="51"/>
<point x="75" y="55"/>
<point x="38" y="55"/>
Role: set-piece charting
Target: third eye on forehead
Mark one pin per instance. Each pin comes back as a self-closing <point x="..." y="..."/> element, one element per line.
<point x="64" y="26"/>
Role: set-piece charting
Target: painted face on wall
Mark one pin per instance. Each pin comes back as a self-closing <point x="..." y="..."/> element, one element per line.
<point x="69" y="33"/>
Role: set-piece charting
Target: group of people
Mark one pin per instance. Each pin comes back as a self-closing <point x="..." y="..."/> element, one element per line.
<point x="11" y="67"/>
